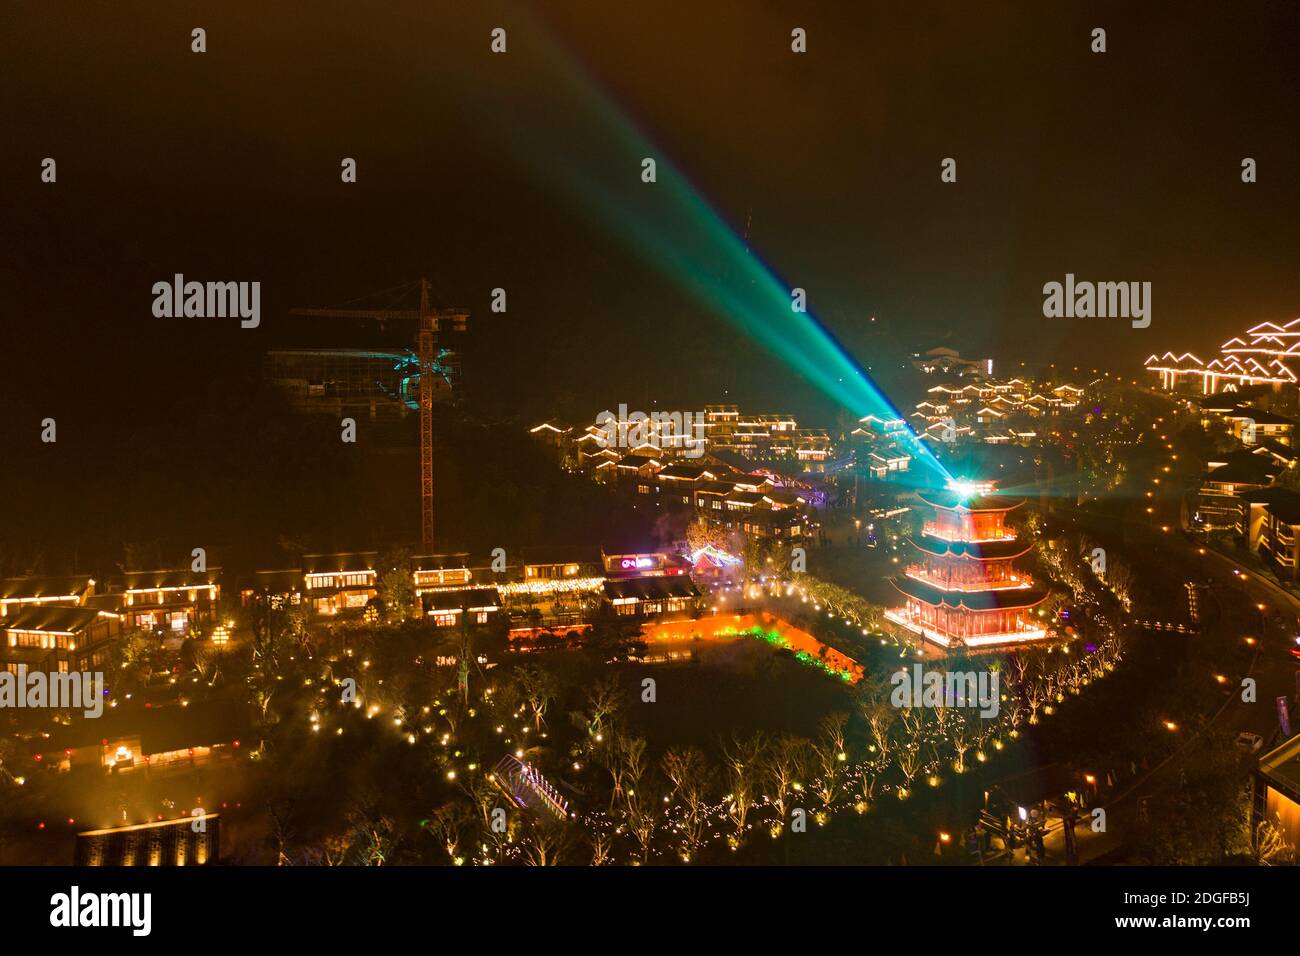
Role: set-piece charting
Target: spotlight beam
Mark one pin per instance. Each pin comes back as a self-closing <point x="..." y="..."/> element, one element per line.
<point x="675" y="229"/>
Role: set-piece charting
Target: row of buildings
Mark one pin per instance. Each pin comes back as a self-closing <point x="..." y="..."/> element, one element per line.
<point x="722" y="485"/>
<point x="752" y="504"/>
<point x="1266" y="355"/>
<point x="63" y="623"/>
<point x="760" y="475"/>
<point x="993" y="412"/>
<point x="58" y="623"/>
<point x="1248" y="492"/>
<point x="766" y="438"/>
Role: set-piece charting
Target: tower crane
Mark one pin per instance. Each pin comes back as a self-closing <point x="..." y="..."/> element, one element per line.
<point x="430" y="323"/>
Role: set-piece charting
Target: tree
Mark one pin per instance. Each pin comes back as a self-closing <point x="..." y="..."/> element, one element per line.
<point x="960" y="741"/>
<point x="206" y="664"/>
<point x="752" y="553"/>
<point x="295" y="628"/>
<point x="688" y="771"/>
<point x="644" y="805"/>
<point x="483" y="794"/>
<point x="1119" y="577"/>
<point x="372" y="835"/>
<point x="880" y="714"/>
<point x="631" y="757"/>
<point x="830" y="757"/>
<point x="611" y="756"/>
<point x="743" y="760"/>
<point x="448" y="824"/>
<point x="785" y="765"/>
<point x="601" y="847"/>
<point x="141" y="555"/>
<point x="132" y="661"/>
<point x="1272" y="848"/>
<point x="604" y="701"/>
<point x="538" y="687"/>
<point x="396" y="585"/>
<point x="544" y="839"/>
<point x="908" y="753"/>
<point x="702" y="533"/>
<point x="281" y="813"/>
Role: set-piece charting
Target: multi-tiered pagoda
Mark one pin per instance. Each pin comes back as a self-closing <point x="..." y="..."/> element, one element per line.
<point x="964" y="591"/>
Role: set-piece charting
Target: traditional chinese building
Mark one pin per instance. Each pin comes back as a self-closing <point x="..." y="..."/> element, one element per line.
<point x="19" y="593"/>
<point x="189" y="841"/>
<point x="1267" y="354"/>
<point x="1276" y="791"/>
<point x="964" y="590"/>
<point x="339" y="582"/>
<point x="57" y="639"/>
<point x="445" y="606"/>
<point x="172" y="600"/>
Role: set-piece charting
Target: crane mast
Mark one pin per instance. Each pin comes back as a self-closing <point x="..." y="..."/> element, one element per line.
<point x="431" y="322"/>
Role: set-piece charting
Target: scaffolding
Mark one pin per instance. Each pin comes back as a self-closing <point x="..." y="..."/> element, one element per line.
<point x="363" y="383"/>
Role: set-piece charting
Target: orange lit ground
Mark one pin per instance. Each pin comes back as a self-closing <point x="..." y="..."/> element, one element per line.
<point x="726" y="627"/>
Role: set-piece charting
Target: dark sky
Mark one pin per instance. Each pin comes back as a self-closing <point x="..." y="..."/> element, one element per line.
<point x="225" y="165"/>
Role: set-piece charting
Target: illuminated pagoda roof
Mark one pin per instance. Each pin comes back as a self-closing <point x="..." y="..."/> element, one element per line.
<point x="975" y="550"/>
<point x="993" y="599"/>
<point x="951" y="500"/>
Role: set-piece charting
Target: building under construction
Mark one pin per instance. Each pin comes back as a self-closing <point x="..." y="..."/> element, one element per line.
<point x="381" y="384"/>
<point x="365" y="384"/>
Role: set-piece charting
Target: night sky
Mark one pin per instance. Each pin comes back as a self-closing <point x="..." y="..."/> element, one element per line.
<point x="1123" y="166"/>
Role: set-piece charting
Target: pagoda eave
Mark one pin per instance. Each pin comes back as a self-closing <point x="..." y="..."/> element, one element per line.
<point x="999" y="599"/>
<point x="949" y="500"/>
<point x="973" y="550"/>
